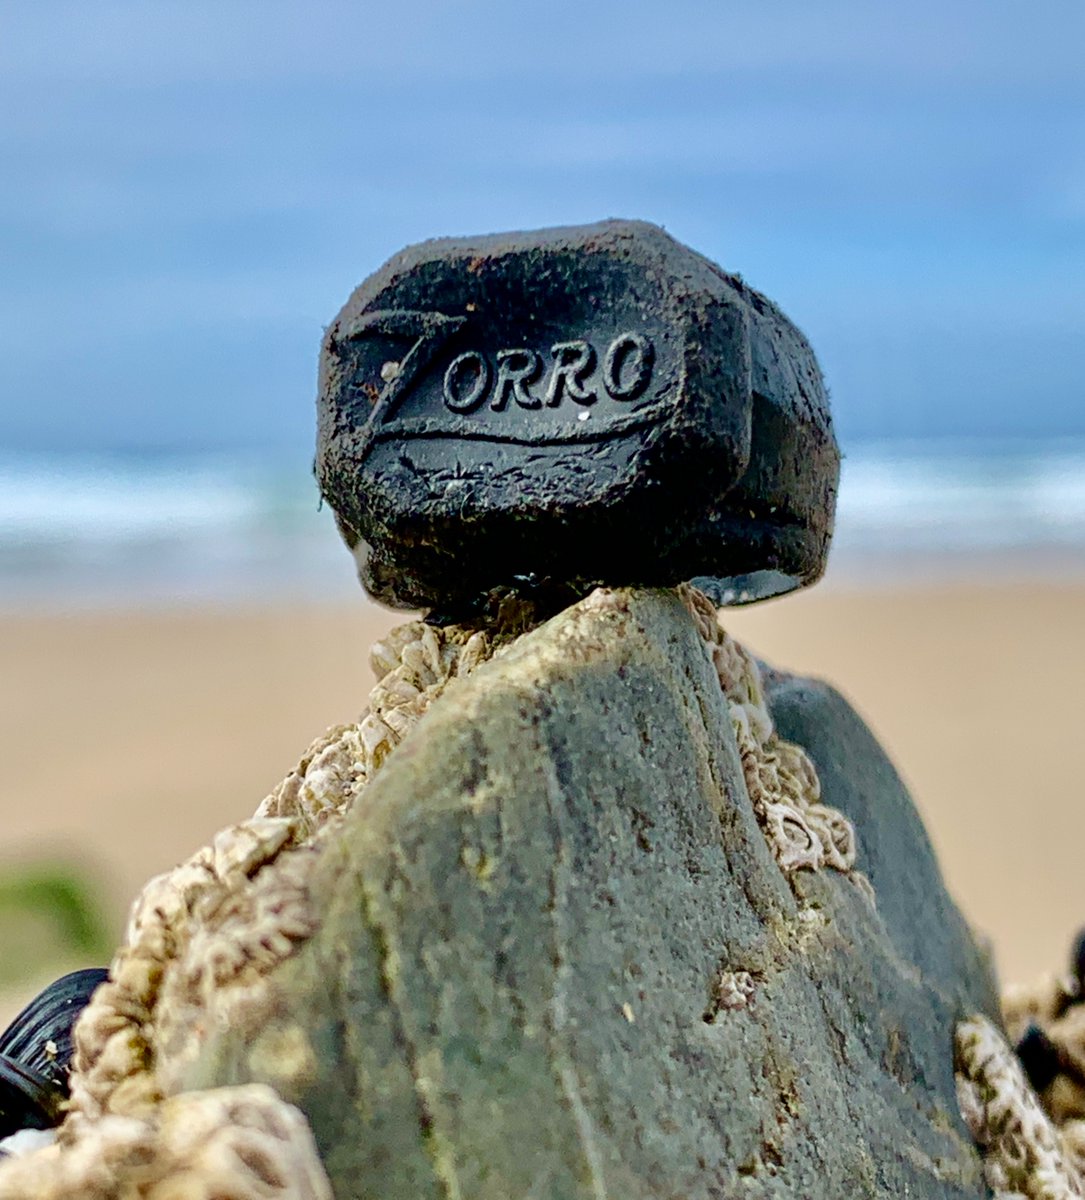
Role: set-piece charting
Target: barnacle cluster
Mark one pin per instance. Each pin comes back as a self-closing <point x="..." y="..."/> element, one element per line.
<point x="781" y="780"/>
<point x="1027" y="1155"/>
<point x="201" y="943"/>
<point x="1026" y="1106"/>
<point x="203" y="938"/>
<point x="413" y="665"/>
<point x="242" y="1142"/>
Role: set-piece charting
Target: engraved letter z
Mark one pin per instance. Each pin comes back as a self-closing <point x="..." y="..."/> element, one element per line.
<point x="432" y="329"/>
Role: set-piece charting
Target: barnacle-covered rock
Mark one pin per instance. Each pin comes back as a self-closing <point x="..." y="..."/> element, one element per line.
<point x="203" y="938"/>
<point x="604" y="927"/>
<point x="780" y="778"/>
<point x="563" y="950"/>
<point x="202" y="941"/>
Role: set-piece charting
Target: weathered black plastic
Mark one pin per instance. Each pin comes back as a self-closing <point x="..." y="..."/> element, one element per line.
<point x="572" y="406"/>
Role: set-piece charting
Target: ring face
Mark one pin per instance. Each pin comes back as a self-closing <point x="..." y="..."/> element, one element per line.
<point x="567" y="404"/>
<point x="488" y="376"/>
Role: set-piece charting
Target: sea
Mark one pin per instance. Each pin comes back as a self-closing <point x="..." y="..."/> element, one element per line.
<point x="123" y="530"/>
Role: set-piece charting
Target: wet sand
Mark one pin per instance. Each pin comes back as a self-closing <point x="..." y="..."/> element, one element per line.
<point x="129" y="739"/>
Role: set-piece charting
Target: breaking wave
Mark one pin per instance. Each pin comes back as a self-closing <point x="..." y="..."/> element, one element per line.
<point x="101" y="530"/>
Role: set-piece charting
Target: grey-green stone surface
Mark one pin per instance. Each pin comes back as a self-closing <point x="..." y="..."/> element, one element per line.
<point x="511" y="994"/>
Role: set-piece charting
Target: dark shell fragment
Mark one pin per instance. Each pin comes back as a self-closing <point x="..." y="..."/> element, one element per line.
<point x="576" y="406"/>
<point x="36" y="1053"/>
<point x="1039" y="1057"/>
<point x="1077" y="962"/>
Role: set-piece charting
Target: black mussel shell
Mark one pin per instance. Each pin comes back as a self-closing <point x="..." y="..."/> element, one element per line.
<point x="36" y="1052"/>
<point x="27" y="1101"/>
<point x="1039" y="1056"/>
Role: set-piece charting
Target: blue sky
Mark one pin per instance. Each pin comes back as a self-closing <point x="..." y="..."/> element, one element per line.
<point x="190" y="190"/>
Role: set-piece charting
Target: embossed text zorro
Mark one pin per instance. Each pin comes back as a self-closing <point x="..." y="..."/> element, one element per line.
<point x="572" y="407"/>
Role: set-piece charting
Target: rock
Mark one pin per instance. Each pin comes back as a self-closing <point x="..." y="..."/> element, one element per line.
<point x="925" y="926"/>
<point x="557" y="955"/>
<point x="568" y="407"/>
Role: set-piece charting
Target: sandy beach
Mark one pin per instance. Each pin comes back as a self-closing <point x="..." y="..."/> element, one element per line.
<point x="130" y="738"/>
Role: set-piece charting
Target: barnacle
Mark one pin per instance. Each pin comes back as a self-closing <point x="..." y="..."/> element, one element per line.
<point x="781" y="780"/>
<point x="731" y="991"/>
